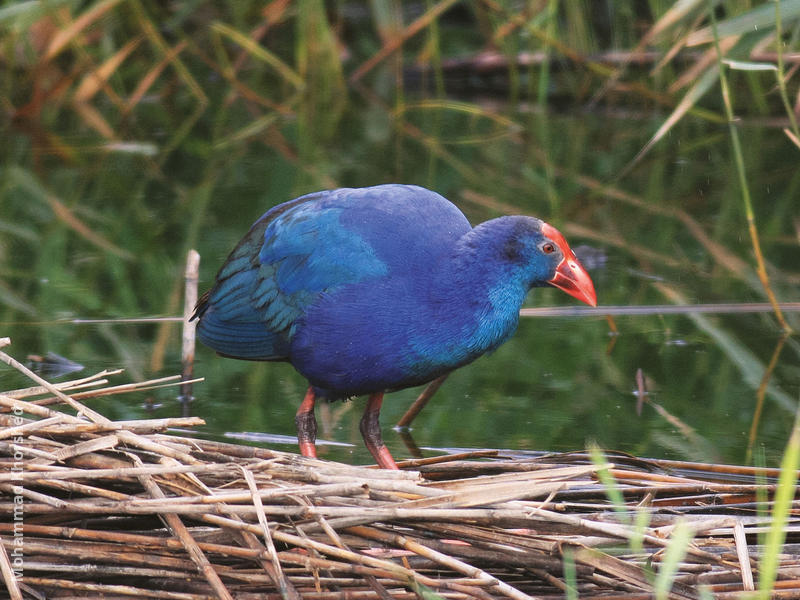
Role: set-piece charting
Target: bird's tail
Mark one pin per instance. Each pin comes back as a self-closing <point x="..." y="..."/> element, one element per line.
<point x="201" y="306"/>
<point x="248" y="340"/>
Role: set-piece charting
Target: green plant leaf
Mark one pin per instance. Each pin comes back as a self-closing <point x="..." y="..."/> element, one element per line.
<point x="760" y="18"/>
<point x="741" y="65"/>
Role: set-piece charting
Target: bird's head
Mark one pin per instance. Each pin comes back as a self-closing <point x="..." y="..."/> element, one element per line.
<point x="535" y="254"/>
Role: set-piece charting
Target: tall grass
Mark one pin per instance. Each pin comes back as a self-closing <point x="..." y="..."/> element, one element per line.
<point x="741" y="172"/>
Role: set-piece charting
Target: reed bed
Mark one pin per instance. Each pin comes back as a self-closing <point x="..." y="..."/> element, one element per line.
<point x="116" y="509"/>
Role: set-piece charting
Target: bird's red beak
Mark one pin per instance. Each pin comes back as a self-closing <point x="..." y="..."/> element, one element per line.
<point x="570" y="275"/>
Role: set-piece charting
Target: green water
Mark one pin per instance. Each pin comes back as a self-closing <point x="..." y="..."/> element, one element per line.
<point x="101" y="231"/>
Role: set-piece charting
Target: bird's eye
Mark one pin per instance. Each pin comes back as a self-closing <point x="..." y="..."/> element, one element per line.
<point x="548" y="248"/>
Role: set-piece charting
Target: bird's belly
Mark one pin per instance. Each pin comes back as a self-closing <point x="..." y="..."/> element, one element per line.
<point x="352" y="349"/>
<point x="347" y="367"/>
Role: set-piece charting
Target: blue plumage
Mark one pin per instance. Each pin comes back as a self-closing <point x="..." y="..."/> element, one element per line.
<point x="365" y="290"/>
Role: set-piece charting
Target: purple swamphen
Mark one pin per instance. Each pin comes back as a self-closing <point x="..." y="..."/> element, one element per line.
<point x="375" y="289"/>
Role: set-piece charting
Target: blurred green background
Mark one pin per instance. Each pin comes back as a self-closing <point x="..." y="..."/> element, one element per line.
<point x="135" y="130"/>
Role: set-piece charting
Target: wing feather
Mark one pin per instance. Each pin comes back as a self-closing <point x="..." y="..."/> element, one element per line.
<point x="292" y="254"/>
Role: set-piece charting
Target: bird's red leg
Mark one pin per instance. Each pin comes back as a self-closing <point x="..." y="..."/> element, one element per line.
<point x="371" y="432"/>
<point x="306" y="425"/>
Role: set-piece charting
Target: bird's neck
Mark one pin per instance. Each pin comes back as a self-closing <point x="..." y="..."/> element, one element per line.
<point x="490" y="290"/>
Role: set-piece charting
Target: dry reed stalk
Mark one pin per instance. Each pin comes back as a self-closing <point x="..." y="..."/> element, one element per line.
<point x="191" y="277"/>
<point x="119" y="509"/>
<point x="182" y="533"/>
<point x="285" y="588"/>
<point x="74" y="384"/>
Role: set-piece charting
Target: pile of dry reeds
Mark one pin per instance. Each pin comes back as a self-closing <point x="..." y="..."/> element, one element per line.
<point x="119" y="509"/>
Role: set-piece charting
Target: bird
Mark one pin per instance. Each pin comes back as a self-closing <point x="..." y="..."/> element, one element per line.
<point x="371" y="290"/>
